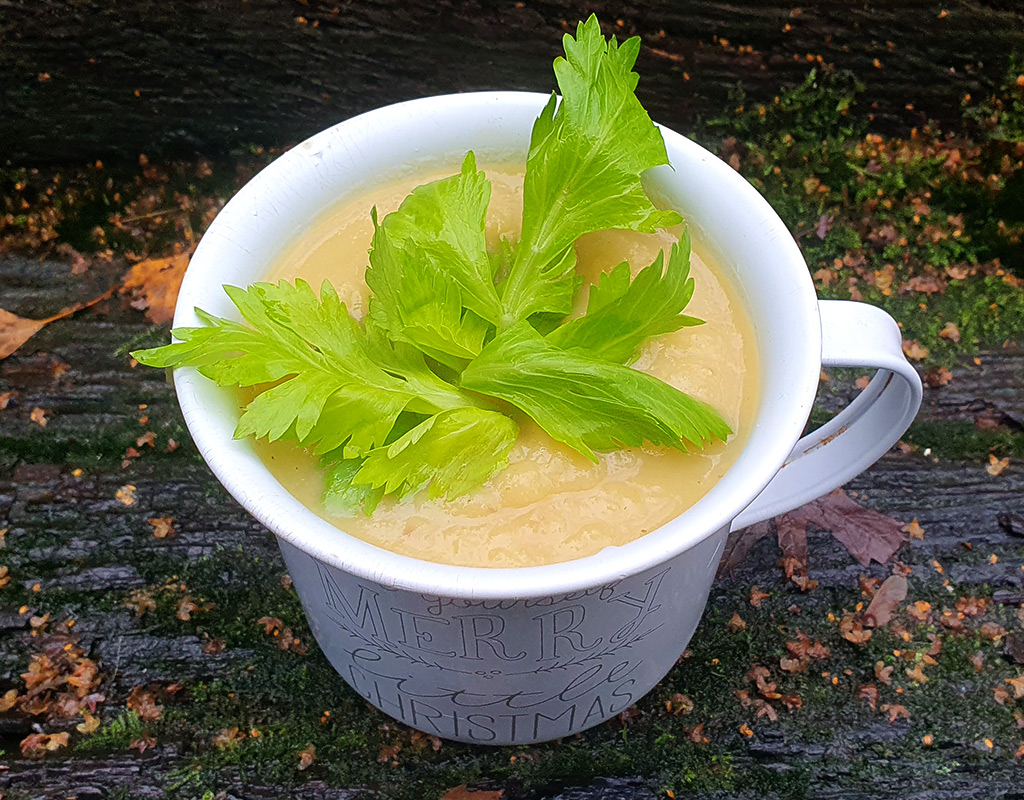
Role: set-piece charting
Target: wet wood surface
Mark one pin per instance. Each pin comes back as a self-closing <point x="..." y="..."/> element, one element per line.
<point x="212" y="75"/>
<point x="69" y="535"/>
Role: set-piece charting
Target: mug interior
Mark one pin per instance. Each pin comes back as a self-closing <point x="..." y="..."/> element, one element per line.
<point x="728" y="220"/>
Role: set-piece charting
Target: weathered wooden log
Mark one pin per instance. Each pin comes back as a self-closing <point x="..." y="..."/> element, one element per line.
<point x="85" y="79"/>
<point x="88" y="553"/>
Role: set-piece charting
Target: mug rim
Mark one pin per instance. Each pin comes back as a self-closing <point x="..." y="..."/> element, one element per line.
<point x="248" y="480"/>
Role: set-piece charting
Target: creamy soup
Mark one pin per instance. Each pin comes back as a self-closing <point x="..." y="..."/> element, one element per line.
<point x="551" y="504"/>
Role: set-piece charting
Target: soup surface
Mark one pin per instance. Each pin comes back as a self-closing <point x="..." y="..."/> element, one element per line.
<point x="551" y="504"/>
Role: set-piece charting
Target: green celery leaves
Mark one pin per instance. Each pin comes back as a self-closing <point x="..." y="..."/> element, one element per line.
<point x="586" y="402"/>
<point x="414" y="396"/>
<point x="583" y="171"/>
<point x="622" y="315"/>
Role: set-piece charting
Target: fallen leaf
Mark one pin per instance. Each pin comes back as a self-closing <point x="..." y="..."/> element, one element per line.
<point x="5" y="576"/>
<point x="126" y="495"/>
<point x="736" y="624"/>
<point x="213" y="646"/>
<point x="914" y="529"/>
<point x="996" y="466"/>
<point x="852" y="629"/>
<point x="15" y="330"/>
<point x="695" y="733"/>
<point x="36" y="745"/>
<point x="972" y="606"/>
<point x="977" y="660"/>
<point x="993" y="631"/>
<point x="6" y="397"/>
<point x="1002" y="696"/>
<point x="803" y="647"/>
<point x="914" y="350"/>
<point x="162" y="526"/>
<point x="153" y="285"/>
<point x="270" y="624"/>
<point x="140" y="601"/>
<point x="38" y="416"/>
<point x="307" y="757"/>
<point x="867" y="535"/>
<point x="389" y="753"/>
<point x="91" y="724"/>
<point x="143" y="743"/>
<point x="1017" y="684"/>
<point x="950" y="331"/>
<point x="895" y="711"/>
<point x="229" y="737"/>
<point x="917" y="674"/>
<point x="739" y="545"/>
<point x="869" y="692"/>
<point x="938" y="377"/>
<point x="920" y="610"/>
<point x="680" y="704"/>
<point x="890" y="594"/>
<point x="757" y="596"/>
<point x="146" y="439"/>
<point x="8" y="700"/>
<point x="793" y="665"/>
<point x="144" y="704"/>
<point x="745" y="730"/>
<point x="186" y="607"/>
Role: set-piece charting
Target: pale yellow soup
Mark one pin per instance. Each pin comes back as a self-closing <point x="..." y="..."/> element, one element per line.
<point x="551" y="504"/>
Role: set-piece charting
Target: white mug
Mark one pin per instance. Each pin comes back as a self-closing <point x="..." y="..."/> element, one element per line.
<point x="503" y="656"/>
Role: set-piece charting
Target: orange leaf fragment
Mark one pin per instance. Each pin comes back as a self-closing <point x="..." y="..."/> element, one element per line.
<point x="757" y="596"/>
<point x="307" y="757"/>
<point x="883" y="673"/>
<point x="890" y="594"/>
<point x="852" y="629"/>
<point x="91" y="724"/>
<point x="126" y="495"/>
<point x="736" y="624"/>
<point x="162" y="526"/>
<point x="920" y="610"/>
<point x="869" y="692"/>
<point x="1017" y="684"/>
<point x="917" y="674"/>
<point x="914" y="529"/>
<point x="38" y="416"/>
<point x="153" y="285"/>
<point x="144" y="704"/>
<point x="914" y="350"/>
<point x="745" y="730"/>
<point x="996" y="466"/>
<point x="462" y="793"/>
<point x="895" y="711"/>
<point x="37" y="745"/>
<point x="950" y="331"/>
<point x="229" y="737"/>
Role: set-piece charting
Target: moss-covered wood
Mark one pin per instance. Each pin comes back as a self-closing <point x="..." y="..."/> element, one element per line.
<point x="77" y="553"/>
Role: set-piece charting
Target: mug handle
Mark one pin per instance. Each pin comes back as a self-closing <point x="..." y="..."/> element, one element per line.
<point x="853" y="335"/>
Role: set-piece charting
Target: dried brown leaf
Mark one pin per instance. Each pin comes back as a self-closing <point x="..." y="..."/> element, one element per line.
<point x="162" y="526"/>
<point x="889" y="596"/>
<point x="736" y="623"/>
<point x="144" y="704"/>
<point x="15" y="330"/>
<point x="895" y="711"/>
<point x="867" y="535"/>
<point x="153" y="286"/>
<point x="996" y="466"/>
<point x="307" y="757"/>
